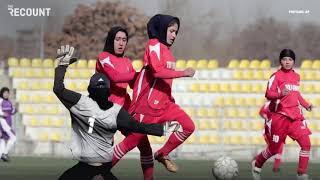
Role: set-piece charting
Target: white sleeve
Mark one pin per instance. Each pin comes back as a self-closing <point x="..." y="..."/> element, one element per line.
<point x="1" y="112"/>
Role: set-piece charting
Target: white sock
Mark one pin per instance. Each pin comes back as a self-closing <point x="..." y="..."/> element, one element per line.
<point x="2" y="146"/>
<point x="10" y="143"/>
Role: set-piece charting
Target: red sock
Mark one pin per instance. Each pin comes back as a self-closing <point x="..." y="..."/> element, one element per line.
<point x="174" y="141"/>
<point x="263" y="157"/>
<point x="304" y="154"/>
<point x="146" y="158"/>
<point x="277" y="160"/>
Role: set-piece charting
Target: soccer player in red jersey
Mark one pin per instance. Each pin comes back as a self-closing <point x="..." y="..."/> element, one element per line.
<point x="265" y="113"/>
<point x="116" y="66"/>
<point x="286" y="118"/>
<point x="152" y="99"/>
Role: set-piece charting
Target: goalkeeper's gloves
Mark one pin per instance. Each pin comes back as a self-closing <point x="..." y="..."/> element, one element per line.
<point x="66" y="55"/>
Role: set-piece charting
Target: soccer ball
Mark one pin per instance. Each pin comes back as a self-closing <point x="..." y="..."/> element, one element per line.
<point x="225" y="168"/>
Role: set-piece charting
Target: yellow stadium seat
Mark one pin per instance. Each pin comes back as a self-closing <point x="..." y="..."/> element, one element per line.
<point x="306" y="64"/>
<point x="316" y="64"/>
<point x="71" y="86"/>
<point x="225" y="87"/>
<point x="267" y="74"/>
<point x="244" y="64"/>
<point x="73" y="73"/>
<point x="202" y="112"/>
<point x="231" y="112"/>
<point x="310" y="75"/>
<point x="229" y="101"/>
<point x="82" y="86"/>
<point x="240" y="101"/>
<point x="313" y="126"/>
<point x="214" y="139"/>
<point x="235" y="87"/>
<point x="218" y="101"/>
<point x="251" y="101"/>
<point x="29" y="73"/>
<point x="40" y="73"/>
<point x="254" y="113"/>
<point x="33" y="122"/>
<point x="214" y="87"/>
<point x="257" y="88"/>
<point x="243" y="113"/>
<point x="57" y="123"/>
<point x="202" y="64"/>
<point x="36" y="98"/>
<point x="213" y="64"/>
<point x="137" y="64"/>
<point x="191" y="63"/>
<point x="289" y="141"/>
<point x="248" y="75"/>
<point x="316" y="115"/>
<point x="85" y="73"/>
<point x="213" y="124"/>
<point x="204" y="87"/>
<point x="23" y="85"/>
<point x="260" y="101"/>
<point x="235" y="139"/>
<point x="17" y="72"/>
<point x="265" y="64"/>
<point x="308" y="115"/>
<point x="92" y="63"/>
<point x="181" y="64"/>
<point x="212" y="113"/>
<point x="234" y="63"/>
<point x="13" y="62"/>
<point x="257" y="124"/>
<point x="36" y="85"/>
<point x="81" y="63"/>
<point x="25" y="62"/>
<point x="238" y="74"/>
<point x="236" y="125"/>
<point x="258" y="75"/>
<point x="258" y="140"/>
<point x="204" y="124"/>
<point x="50" y="73"/>
<point x="246" y="88"/>
<point x="47" y="85"/>
<point x="160" y="140"/>
<point x="43" y="136"/>
<point x="204" y="139"/>
<point x="36" y="62"/>
<point x="307" y="88"/>
<point x="47" y="63"/>
<point x="56" y="137"/>
<point x="45" y="122"/>
<point x="226" y="140"/>
<point x="190" y="111"/>
<point x="50" y="98"/>
<point x="24" y="98"/>
<point x="254" y="64"/>
<point x="195" y="87"/>
<point x="191" y="139"/>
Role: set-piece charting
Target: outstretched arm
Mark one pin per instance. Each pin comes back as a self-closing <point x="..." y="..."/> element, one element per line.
<point x="127" y="123"/>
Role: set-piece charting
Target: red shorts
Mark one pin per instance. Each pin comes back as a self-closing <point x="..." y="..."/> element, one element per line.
<point x="282" y="126"/>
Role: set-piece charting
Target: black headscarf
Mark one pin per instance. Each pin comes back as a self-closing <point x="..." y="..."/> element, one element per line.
<point x="109" y="43"/>
<point x="287" y="53"/>
<point x="4" y="89"/>
<point x="158" y="25"/>
<point x="99" y="90"/>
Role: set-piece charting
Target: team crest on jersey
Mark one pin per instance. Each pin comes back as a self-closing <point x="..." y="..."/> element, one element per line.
<point x="292" y="87"/>
<point x="171" y="65"/>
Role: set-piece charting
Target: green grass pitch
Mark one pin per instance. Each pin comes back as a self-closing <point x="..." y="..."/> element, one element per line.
<point x="32" y="168"/>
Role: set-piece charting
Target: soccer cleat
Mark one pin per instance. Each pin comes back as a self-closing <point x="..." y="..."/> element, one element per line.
<point x="167" y="162"/>
<point x="255" y="171"/>
<point x="303" y="177"/>
<point x="5" y="157"/>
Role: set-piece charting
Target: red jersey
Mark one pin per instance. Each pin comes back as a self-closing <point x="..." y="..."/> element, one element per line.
<point x="120" y="72"/>
<point x="265" y="112"/>
<point x="288" y="105"/>
<point x="152" y="88"/>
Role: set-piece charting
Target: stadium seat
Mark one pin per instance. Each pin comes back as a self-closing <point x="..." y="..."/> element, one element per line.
<point x="307" y="88"/>
<point x="231" y="112"/>
<point x="56" y="137"/>
<point x="226" y="124"/>
<point x="257" y="88"/>
<point x="246" y="88"/>
<point x="23" y="85"/>
<point x="257" y="124"/>
<point x="250" y="101"/>
<point x="254" y="64"/>
<point x="267" y="74"/>
<point x="238" y="74"/>
<point x="244" y="64"/>
<point x="229" y="101"/>
<point x="306" y="64"/>
<point x="204" y="87"/>
<point x="258" y="140"/>
<point x="13" y="62"/>
<point x="265" y="64"/>
<point x="202" y="64"/>
<point x="204" y="139"/>
<point x="235" y="87"/>
<point x="71" y="86"/>
<point x="25" y="62"/>
<point x="233" y="64"/>
<point x="191" y="139"/>
<point x="36" y="98"/>
<point x="29" y="73"/>
<point x="236" y="124"/>
<point x="316" y="115"/>
<point x="248" y="74"/>
<point x="226" y="140"/>
<point x="181" y="64"/>
<point x="225" y="87"/>
<point x="81" y="63"/>
<point x="33" y="122"/>
<point x="235" y="139"/>
<point x="243" y="113"/>
<point x="36" y="85"/>
<point x="214" y="139"/>
<point x="47" y="85"/>
<point x="137" y="64"/>
<point x="308" y="115"/>
<point x="254" y="113"/>
<point x="240" y="101"/>
<point x="218" y="101"/>
<point x="46" y="122"/>
<point x="202" y="112"/>
<point x="260" y="101"/>
<point x="36" y="62"/>
<point x="73" y="73"/>
<point x="85" y="73"/>
<point x="195" y="87"/>
<point x="49" y="73"/>
<point x="258" y="75"/>
<point x="213" y="64"/>
<point x="43" y="136"/>
<point x="82" y="86"/>
<point x="50" y="98"/>
<point x="47" y="63"/>
<point x="213" y="124"/>
<point x="24" y="98"/>
<point x="316" y="64"/>
<point x="204" y="124"/>
<point x="57" y="122"/>
<point x="191" y="63"/>
<point x="92" y="63"/>
<point x="190" y="111"/>
<point x="214" y="87"/>
<point x="16" y="72"/>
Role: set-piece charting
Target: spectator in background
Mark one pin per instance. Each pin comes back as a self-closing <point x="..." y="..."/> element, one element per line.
<point x="8" y="137"/>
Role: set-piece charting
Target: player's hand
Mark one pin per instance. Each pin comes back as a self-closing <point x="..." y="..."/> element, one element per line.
<point x="66" y="55"/>
<point x="309" y="108"/>
<point x="189" y="72"/>
<point x="285" y="92"/>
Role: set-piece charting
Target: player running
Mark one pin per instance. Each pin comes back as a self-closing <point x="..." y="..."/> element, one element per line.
<point x="152" y="100"/>
<point x="116" y="66"/>
<point x="286" y="117"/>
<point x="94" y="121"/>
<point x="7" y="137"/>
<point x="266" y="115"/>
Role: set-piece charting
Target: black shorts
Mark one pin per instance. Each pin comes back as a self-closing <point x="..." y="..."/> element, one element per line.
<point x="84" y="171"/>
